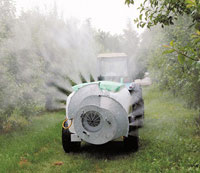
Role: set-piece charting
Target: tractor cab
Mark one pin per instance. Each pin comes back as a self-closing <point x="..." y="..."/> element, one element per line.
<point x="113" y="67"/>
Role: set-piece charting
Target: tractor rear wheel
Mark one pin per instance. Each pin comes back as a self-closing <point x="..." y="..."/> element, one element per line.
<point x="131" y="143"/>
<point x="67" y="144"/>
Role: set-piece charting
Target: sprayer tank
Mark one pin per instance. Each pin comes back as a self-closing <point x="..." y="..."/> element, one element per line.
<point x="99" y="111"/>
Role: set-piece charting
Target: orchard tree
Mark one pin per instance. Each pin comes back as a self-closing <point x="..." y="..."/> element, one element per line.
<point x="130" y="40"/>
<point x="178" y="68"/>
<point x="7" y="15"/>
<point x="108" y="42"/>
<point x="153" y="12"/>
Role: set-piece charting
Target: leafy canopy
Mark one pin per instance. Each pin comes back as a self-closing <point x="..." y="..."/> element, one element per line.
<point x="153" y="12"/>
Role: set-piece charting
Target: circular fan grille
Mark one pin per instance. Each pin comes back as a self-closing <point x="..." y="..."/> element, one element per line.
<point x="91" y="121"/>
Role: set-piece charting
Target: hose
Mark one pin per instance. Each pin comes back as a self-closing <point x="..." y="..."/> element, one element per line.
<point x="63" y="124"/>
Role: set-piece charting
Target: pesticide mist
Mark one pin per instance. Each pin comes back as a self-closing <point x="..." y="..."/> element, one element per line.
<point x="43" y="54"/>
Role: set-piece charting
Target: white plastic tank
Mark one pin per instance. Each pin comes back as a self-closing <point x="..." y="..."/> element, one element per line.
<point x="99" y="111"/>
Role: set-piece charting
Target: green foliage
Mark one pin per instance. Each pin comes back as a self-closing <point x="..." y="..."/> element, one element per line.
<point x="175" y="71"/>
<point x="165" y="13"/>
<point x="181" y="59"/>
<point x="177" y="67"/>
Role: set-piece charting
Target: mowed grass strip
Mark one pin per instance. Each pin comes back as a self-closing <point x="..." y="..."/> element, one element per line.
<point x="169" y="142"/>
<point x="17" y="146"/>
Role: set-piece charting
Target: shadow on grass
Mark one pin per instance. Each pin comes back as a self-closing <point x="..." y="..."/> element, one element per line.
<point x="110" y="151"/>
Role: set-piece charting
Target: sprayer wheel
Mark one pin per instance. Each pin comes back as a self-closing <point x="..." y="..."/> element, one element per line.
<point x="69" y="146"/>
<point x="131" y="143"/>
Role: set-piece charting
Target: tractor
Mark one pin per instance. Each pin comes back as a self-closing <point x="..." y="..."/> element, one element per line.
<point x="108" y="109"/>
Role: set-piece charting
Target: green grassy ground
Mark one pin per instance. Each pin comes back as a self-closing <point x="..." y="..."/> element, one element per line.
<point x="169" y="142"/>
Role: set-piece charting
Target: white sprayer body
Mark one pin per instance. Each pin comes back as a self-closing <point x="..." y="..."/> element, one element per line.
<point x="99" y="115"/>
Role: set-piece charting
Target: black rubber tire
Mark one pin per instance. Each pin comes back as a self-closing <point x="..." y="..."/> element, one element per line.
<point x="69" y="146"/>
<point x="131" y="143"/>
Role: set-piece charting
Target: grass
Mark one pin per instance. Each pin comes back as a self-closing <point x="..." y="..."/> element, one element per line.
<point x="169" y="142"/>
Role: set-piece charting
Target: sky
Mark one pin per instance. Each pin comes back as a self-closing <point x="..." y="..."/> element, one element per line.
<point x="107" y="15"/>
